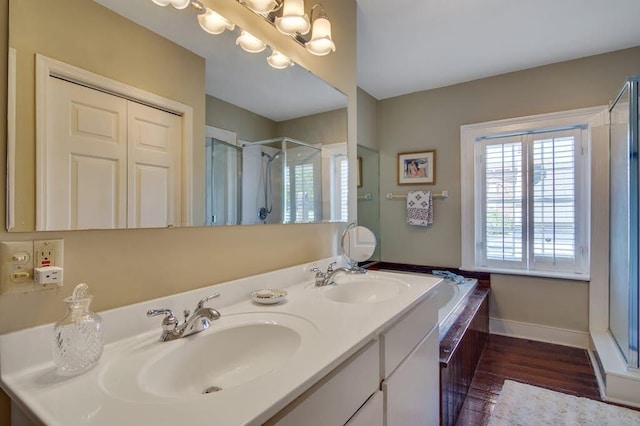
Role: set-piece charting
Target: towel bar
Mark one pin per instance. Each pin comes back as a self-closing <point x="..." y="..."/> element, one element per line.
<point x="391" y="195"/>
<point x="367" y="197"/>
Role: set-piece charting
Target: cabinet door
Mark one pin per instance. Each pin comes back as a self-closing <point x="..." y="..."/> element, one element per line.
<point x="412" y="391"/>
<point x="333" y="400"/>
<point x="370" y="414"/>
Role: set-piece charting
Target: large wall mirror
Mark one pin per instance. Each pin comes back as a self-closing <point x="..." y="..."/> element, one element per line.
<point x="128" y="115"/>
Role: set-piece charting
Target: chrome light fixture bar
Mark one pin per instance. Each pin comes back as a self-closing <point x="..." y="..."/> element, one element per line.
<point x="289" y="17"/>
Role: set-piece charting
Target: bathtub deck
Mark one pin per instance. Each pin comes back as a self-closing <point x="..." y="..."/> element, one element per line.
<point x="554" y="367"/>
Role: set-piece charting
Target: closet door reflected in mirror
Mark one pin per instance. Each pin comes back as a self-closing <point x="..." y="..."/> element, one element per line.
<point x="160" y="53"/>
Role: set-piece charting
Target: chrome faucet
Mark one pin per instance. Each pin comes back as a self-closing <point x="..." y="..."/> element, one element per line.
<point x="199" y="321"/>
<point x="326" y="278"/>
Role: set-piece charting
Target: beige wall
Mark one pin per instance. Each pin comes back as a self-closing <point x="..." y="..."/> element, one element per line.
<point x="432" y="120"/>
<point x="326" y="128"/>
<point x="369" y="210"/>
<point x="100" y="41"/>
<point x="367" y="120"/>
<point x="248" y="125"/>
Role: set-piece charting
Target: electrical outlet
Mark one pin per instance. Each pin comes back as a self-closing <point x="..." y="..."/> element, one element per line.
<point x="48" y="253"/>
<point x="16" y="267"/>
<point x="18" y="260"/>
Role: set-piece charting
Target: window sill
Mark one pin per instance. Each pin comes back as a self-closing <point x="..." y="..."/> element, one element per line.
<point x="534" y="274"/>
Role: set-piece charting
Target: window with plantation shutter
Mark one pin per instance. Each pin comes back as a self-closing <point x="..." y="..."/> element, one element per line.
<point x="529" y="190"/>
<point x="299" y="193"/>
<point x="343" y="187"/>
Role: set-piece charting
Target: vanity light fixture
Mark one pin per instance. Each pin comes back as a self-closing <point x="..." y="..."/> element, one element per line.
<point x="279" y="61"/>
<point x="293" y="19"/>
<point x="262" y="7"/>
<point x="214" y="23"/>
<point x="321" y="42"/>
<point x="178" y="4"/>
<point x="289" y="18"/>
<point x="250" y="43"/>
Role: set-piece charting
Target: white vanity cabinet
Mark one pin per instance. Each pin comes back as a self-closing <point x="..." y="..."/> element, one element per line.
<point x="336" y="397"/>
<point x="371" y="413"/>
<point x="412" y="391"/>
<point x="327" y="363"/>
<point x="393" y="381"/>
<point x="410" y="372"/>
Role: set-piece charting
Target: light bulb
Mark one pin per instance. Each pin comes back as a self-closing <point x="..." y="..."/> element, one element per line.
<point x="321" y="43"/>
<point x="293" y="19"/>
<point x="162" y="3"/>
<point x="214" y="23"/>
<point x="278" y="60"/>
<point x="261" y="6"/>
<point x="250" y="43"/>
<point x="180" y="4"/>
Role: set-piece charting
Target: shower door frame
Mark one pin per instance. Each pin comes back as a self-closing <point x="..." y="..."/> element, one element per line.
<point x="633" y="356"/>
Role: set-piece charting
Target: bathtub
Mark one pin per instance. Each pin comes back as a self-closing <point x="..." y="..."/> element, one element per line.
<point x="450" y="295"/>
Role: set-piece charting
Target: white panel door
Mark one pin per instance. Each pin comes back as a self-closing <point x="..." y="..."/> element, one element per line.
<point x="412" y="393"/>
<point x="154" y="185"/>
<point x="84" y="185"/>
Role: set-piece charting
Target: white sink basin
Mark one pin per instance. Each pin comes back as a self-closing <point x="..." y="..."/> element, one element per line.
<point x="235" y="351"/>
<point x="365" y="289"/>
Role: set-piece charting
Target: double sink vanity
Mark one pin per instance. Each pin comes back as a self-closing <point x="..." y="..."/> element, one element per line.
<point x="362" y="351"/>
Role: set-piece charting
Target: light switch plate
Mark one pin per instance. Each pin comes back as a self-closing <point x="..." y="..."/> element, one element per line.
<point x="16" y="267"/>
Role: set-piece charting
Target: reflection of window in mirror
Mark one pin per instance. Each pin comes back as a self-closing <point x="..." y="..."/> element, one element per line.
<point x="338" y="166"/>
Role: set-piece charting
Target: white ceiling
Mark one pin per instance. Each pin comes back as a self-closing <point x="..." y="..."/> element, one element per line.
<point x="406" y="46"/>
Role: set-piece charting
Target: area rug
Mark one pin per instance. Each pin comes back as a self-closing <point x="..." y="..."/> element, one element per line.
<point x="526" y="405"/>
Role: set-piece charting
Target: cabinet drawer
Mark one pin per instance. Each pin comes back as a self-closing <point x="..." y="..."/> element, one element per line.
<point x="398" y="340"/>
<point x="334" y="399"/>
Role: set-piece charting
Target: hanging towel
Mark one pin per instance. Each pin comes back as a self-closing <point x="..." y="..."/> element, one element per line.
<point x="419" y="208"/>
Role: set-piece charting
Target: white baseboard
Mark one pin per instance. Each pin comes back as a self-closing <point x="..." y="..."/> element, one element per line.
<point x="539" y="333"/>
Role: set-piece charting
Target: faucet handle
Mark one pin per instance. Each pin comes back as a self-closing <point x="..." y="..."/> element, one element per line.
<point x="319" y="273"/>
<point x="169" y="322"/>
<point x="330" y="268"/>
<point x="206" y="299"/>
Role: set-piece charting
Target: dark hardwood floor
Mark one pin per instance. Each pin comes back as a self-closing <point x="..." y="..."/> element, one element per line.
<point x="554" y="367"/>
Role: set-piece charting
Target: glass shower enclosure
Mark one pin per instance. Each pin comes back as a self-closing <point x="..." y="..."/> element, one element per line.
<point x="624" y="240"/>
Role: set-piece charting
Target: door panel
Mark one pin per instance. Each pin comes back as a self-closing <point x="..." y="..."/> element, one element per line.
<point x="154" y="167"/>
<point x="92" y="209"/>
<point x="86" y="145"/>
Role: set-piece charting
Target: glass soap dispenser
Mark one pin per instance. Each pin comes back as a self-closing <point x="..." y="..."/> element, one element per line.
<point x="77" y="339"/>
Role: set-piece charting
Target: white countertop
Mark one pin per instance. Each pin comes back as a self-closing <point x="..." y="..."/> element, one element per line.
<point x="339" y="330"/>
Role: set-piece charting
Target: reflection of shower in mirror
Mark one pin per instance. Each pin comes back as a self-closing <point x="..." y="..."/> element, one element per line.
<point x="281" y="181"/>
<point x="265" y="211"/>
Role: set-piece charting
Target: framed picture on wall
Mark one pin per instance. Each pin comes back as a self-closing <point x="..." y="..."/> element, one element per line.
<point x="417" y="168"/>
<point x="359" y="177"/>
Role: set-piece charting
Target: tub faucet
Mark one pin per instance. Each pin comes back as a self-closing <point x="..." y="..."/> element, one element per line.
<point x="193" y="323"/>
<point x="326" y="278"/>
